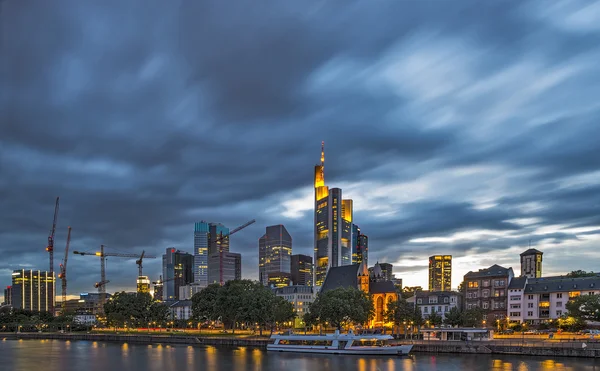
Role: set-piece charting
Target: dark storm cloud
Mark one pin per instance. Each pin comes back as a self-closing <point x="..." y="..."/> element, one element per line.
<point x="146" y="118"/>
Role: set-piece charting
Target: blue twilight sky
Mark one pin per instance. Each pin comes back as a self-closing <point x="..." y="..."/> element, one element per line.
<point x="458" y="127"/>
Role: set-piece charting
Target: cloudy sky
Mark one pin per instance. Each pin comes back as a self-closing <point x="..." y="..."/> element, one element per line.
<point x="463" y="128"/>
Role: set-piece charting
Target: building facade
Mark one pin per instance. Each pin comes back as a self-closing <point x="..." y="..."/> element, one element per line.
<point x="538" y="300"/>
<point x="440" y="302"/>
<point x="440" y="273"/>
<point x="531" y="263"/>
<point x="32" y="290"/>
<point x="201" y="242"/>
<point x="7" y="296"/>
<point x="177" y="272"/>
<point x="382" y="272"/>
<point x="300" y="296"/>
<point x="180" y="310"/>
<point x="332" y="226"/>
<point x="186" y="292"/>
<point x="274" y="253"/>
<point x="224" y="266"/>
<point x="302" y="270"/>
<point x="488" y="289"/>
<point x="360" y="246"/>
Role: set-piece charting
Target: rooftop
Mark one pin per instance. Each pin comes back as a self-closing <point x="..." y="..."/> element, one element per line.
<point x="494" y="270"/>
<point x="531" y="252"/>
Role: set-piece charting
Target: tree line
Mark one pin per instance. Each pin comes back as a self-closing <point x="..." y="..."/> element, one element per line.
<point x="135" y="310"/>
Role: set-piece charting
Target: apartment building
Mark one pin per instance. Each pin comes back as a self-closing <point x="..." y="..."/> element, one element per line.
<point x="487" y="289"/>
<point x="439" y="302"/>
<point x="300" y="296"/>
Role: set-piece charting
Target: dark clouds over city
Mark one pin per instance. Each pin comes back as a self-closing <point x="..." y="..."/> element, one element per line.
<point x="468" y="128"/>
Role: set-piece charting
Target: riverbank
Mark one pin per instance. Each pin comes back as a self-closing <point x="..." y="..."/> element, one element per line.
<point x="540" y="348"/>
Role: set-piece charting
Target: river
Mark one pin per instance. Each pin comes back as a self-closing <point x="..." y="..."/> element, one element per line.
<point x="58" y="355"/>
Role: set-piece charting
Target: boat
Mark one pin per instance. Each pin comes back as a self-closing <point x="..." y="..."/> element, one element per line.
<point x="338" y="343"/>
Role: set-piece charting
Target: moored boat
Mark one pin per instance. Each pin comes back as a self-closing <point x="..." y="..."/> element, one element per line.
<point x="337" y="343"/>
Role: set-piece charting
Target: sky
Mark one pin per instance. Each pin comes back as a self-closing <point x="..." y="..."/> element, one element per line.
<point x="457" y="127"/>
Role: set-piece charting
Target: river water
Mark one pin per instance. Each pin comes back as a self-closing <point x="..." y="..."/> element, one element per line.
<point x="58" y="355"/>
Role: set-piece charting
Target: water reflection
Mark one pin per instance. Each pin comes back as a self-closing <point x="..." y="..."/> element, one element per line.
<point x="57" y="355"/>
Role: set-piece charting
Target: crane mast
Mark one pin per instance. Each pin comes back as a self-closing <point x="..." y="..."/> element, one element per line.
<point x="63" y="273"/>
<point x="50" y="249"/>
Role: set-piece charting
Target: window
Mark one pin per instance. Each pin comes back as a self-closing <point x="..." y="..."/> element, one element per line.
<point x="453" y="299"/>
<point x="446" y="299"/>
<point x="559" y="295"/>
<point x="515" y="306"/>
<point x="486" y="293"/>
<point x="439" y="308"/>
<point x="496" y="305"/>
<point x="559" y="313"/>
<point x="468" y="295"/>
<point x="469" y="306"/>
<point x="486" y="283"/>
<point x="473" y="285"/>
<point x="425" y="309"/>
<point x="515" y="314"/>
<point x="515" y="297"/>
<point x="419" y="301"/>
<point x="486" y="305"/>
<point x="446" y="308"/>
<point x="530" y="314"/>
<point x="559" y="304"/>
<point x="530" y="297"/>
<point x="433" y="300"/>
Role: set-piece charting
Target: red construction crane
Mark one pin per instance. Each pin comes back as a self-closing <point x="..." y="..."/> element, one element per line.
<point x="101" y="286"/>
<point x="50" y="249"/>
<point x="63" y="272"/>
<point x="221" y="238"/>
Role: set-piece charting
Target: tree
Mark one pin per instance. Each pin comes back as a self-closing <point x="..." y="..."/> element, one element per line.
<point x="204" y="303"/>
<point x="581" y="273"/>
<point x="585" y="308"/>
<point x="453" y="317"/>
<point x="409" y="291"/>
<point x="398" y="312"/>
<point x="234" y="302"/>
<point x="472" y="317"/>
<point x="341" y="306"/>
<point x="435" y="319"/>
<point x="137" y="309"/>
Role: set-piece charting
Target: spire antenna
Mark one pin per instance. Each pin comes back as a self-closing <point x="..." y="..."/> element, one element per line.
<point x="322" y="153"/>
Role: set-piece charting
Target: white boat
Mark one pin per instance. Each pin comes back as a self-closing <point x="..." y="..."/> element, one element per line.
<point x="350" y="343"/>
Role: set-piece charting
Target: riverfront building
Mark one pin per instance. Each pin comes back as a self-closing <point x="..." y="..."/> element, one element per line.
<point x="32" y="290"/>
<point x="440" y="273"/>
<point x="487" y="289"/>
<point x="177" y="272"/>
<point x="440" y="302"/>
<point x="300" y="296"/>
<point x="332" y="226"/>
<point x="274" y="256"/>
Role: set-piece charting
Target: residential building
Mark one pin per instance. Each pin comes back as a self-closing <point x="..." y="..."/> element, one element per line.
<point x="300" y="296"/>
<point x="440" y="302"/>
<point x="186" y="292"/>
<point x="332" y="226"/>
<point x="181" y="309"/>
<point x="531" y="263"/>
<point x="357" y="275"/>
<point x="177" y="272"/>
<point x="440" y="273"/>
<point x="360" y="246"/>
<point x="537" y="300"/>
<point x="32" y="290"/>
<point x="487" y="289"/>
<point x="302" y="270"/>
<point x="7" y="296"/>
<point x="274" y="253"/>
<point x="224" y="266"/>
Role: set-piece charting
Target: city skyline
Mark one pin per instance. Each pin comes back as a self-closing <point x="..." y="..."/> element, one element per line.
<point x="466" y="141"/>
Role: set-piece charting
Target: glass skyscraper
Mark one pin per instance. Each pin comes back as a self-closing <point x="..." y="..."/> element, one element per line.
<point x="274" y="254"/>
<point x="177" y="272"/>
<point x="201" y="232"/>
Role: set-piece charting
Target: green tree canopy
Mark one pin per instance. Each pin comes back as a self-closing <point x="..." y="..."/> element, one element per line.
<point x="341" y="306"/>
<point x="581" y="273"/>
<point x="435" y="319"/>
<point x="134" y="309"/>
<point x="204" y="303"/>
<point x="585" y="308"/>
<point x="472" y="317"/>
<point x="399" y="311"/>
<point x="453" y="317"/>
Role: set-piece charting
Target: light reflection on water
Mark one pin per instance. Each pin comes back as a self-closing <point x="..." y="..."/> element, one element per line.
<point x="55" y="355"/>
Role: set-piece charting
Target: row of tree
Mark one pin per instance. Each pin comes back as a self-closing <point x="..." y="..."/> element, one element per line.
<point x="12" y="319"/>
<point x="242" y="302"/>
<point x="135" y="310"/>
<point x="339" y="307"/>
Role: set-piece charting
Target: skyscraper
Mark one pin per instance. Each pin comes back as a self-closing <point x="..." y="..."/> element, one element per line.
<point x="32" y="290"/>
<point x="360" y="246"/>
<point x="224" y="266"/>
<point x="531" y="263"/>
<point x="201" y="242"/>
<point x="332" y="226"/>
<point x="177" y="272"/>
<point x="440" y="273"/>
<point x="274" y="253"/>
<point x="7" y="296"/>
<point x="302" y="270"/>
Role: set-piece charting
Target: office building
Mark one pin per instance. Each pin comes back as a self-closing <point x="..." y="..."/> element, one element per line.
<point x="440" y="302"/>
<point x="302" y="270"/>
<point x="32" y="290"/>
<point x="332" y="226"/>
<point x="223" y="267"/>
<point x="7" y="296"/>
<point x="177" y="272"/>
<point x="531" y="263"/>
<point x="186" y="292"/>
<point x="301" y="297"/>
<point x="279" y="279"/>
<point x="201" y="242"/>
<point x="487" y="289"/>
<point x="143" y="284"/>
<point x="360" y="246"/>
<point x="536" y="300"/>
<point x="440" y="273"/>
<point x="274" y="253"/>
<point x="381" y="272"/>
<point x="159" y="289"/>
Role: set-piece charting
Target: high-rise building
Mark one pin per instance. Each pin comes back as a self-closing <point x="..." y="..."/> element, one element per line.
<point x="440" y="272"/>
<point x="177" y="272"/>
<point x="143" y="284"/>
<point x="302" y="270"/>
<point x="360" y="246"/>
<point x="224" y="266"/>
<point x="279" y="279"/>
<point x="201" y="242"/>
<point x="531" y="263"/>
<point x="332" y="226"/>
<point x="32" y="290"/>
<point x="274" y="253"/>
<point x="7" y="296"/>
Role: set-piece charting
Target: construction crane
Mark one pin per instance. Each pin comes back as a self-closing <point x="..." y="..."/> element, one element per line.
<point x="139" y="263"/>
<point x="50" y="249"/>
<point x="63" y="273"/>
<point x="101" y="286"/>
<point x="221" y="238"/>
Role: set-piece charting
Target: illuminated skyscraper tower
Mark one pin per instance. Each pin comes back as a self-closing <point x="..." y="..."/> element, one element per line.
<point x="333" y="226"/>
